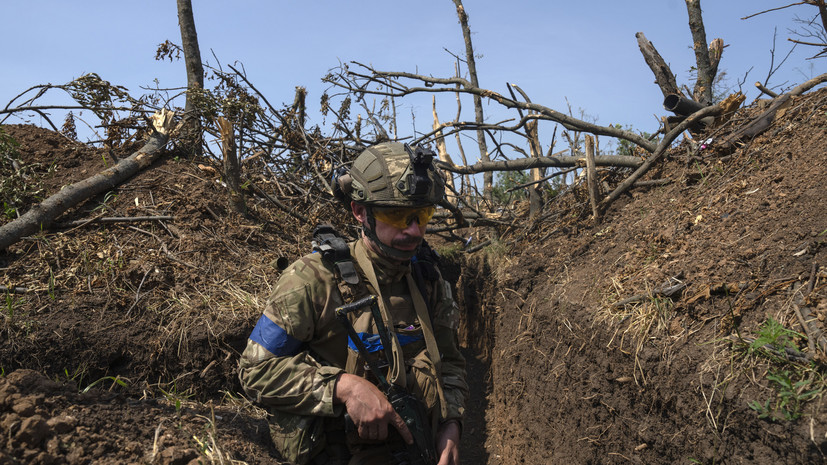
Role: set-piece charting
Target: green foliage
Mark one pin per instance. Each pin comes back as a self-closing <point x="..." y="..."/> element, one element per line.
<point x="18" y="186"/>
<point x="450" y="250"/>
<point x="793" y="384"/>
<point x="8" y="146"/>
<point x="176" y="396"/>
<point x="624" y="147"/>
<point x="105" y="206"/>
<point x="774" y="333"/>
<point x="11" y="305"/>
<point x="99" y="96"/>
<point x="116" y="380"/>
<point x="228" y="98"/>
<point x="764" y="410"/>
<point x="507" y="180"/>
<point x="791" y="393"/>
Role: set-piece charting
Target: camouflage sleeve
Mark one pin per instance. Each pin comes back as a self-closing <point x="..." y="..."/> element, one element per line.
<point x="276" y="368"/>
<point x="446" y="322"/>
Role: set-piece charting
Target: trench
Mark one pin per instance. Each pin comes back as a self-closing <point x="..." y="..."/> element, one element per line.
<point x="473" y="282"/>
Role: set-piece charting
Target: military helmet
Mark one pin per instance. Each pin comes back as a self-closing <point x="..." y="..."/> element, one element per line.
<point x="392" y="174"/>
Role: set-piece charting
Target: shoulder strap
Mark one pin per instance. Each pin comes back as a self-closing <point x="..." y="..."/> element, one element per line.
<point x="334" y="250"/>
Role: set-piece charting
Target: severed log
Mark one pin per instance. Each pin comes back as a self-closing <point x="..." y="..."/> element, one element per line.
<point x="765" y="90"/>
<point x="664" y="77"/>
<point x="41" y="216"/>
<point x="527" y="163"/>
<point x="765" y="119"/>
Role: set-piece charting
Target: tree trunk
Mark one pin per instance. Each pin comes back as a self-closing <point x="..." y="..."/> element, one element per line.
<point x="41" y="216"/>
<point x="232" y="170"/>
<point x="591" y="177"/>
<point x="488" y="178"/>
<point x="191" y="132"/>
<point x="535" y="199"/>
<point x="703" y="85"/>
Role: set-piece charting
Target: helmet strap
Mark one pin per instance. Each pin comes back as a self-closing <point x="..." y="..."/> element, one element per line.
<point x="369" y="230"/>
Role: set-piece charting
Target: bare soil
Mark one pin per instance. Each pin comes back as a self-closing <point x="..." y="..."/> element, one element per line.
<point x="124" y="346"/>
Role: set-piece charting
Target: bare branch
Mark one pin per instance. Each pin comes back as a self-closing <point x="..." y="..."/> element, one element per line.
<point x="541" y="111"/>
<point x="541" y="162"/>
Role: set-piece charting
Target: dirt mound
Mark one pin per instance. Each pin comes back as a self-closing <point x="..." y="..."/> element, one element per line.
<point x="122" y="340"/>
<point x="669" y="379"/>
<point x="48" y="422"/>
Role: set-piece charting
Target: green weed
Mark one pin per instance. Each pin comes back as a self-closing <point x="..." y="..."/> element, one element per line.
<point x="764" y="410"/>
<point x="177" y="397"/>
<point x="116" y="380"/>
<point x="77" y="375"/>
<point x="109" y="197"/>
<point x="12" y="311"/>
<point x="11" y="306"/>
<point x="775" y="334"/>
<point x="791" y="395"/>
<point x="701" y="173"/>
<point x="450" y="251"/>
<point x="9" y="212"/>
<point x="8" y="146"/>
<point x="793" y="384"/>
<point x="51" y="289"/>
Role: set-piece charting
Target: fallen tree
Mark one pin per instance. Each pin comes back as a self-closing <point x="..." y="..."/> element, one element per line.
<point x="41" y="216"/>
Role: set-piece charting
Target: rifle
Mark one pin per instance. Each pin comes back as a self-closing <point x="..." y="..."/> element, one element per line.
<point x="412" y="411"/>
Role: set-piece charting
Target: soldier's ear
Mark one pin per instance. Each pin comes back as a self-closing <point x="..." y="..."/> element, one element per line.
<point x="359" y="212"/>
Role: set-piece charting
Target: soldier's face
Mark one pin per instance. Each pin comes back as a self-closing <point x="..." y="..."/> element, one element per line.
<point x="406" y="239"/>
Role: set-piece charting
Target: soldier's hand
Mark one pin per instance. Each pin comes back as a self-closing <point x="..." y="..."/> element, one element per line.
<point x="368" y="408"/>
<point x="447" y="444"/>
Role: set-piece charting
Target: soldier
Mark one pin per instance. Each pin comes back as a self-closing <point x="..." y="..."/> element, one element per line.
<point x="299" y="363"/>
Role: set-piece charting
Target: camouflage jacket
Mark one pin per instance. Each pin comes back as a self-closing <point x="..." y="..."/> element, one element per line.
<point x="298" y="348"/>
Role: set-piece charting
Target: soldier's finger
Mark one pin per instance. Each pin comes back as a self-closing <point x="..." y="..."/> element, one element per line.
<point x="400" y="426"/>
<point x="382" y="431"/>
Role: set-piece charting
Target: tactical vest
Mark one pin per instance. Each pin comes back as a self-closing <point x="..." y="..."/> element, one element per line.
<point x="417" y="360"/>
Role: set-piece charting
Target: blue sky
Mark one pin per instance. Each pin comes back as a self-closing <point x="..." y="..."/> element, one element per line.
<point x="557" y="51"/>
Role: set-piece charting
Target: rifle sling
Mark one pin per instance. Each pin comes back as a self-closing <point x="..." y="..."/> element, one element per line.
<point x="397" y="374"/>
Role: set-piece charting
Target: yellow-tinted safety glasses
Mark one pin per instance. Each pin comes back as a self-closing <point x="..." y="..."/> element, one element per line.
<point x="401" y="217"/>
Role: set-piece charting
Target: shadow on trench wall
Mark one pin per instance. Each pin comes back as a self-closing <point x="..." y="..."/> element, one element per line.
<point x="474" y="284"/>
